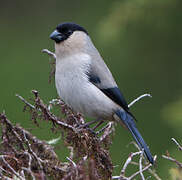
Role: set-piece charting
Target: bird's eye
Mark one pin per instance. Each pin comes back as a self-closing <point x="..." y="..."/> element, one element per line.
<point x="69" y="31"/>
<point x="64" y="30"/>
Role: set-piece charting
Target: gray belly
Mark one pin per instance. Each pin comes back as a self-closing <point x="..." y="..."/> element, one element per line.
<point x="85" y="98"/>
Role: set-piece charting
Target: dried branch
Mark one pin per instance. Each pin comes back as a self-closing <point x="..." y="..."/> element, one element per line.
<point x="154" y="174"/>
<point x="176" y="142"/>
<point x="51" y="54"/>
<point x="138" y="98"/>
<point x="32" y="153"/>
<point x="24" y="154"/>
<point x="144" y="169"/>
<point x="52" y="63"/>
<point x="26" y="102"/>
<point x="84" y="144"/>
<point x="74" y="165"/>
<point x="128" y="161"/>
<point x="28" y="169"/>
<point x="86" y="148"/>
<point x="168" y="157"/>
<point x="140" y="164"/>
<point x="26" y="157"/>
<point x="2" y="157"/>
<point x="7" y="123"/>
<point x="173" y="160"/>
<point x="45" y="111"/>
<point x="79" y="141"/>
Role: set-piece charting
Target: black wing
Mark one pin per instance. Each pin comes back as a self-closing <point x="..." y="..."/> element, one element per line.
<point x="113" y="93"/>
<point x="116" y="95"/>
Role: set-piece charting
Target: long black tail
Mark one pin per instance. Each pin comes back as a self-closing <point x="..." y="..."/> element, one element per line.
<point x="128" y="121"/>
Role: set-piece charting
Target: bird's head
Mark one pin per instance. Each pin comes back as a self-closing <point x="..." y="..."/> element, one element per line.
<point x="69" y="37"/>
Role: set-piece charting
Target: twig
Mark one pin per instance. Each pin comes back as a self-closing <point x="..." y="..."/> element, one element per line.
<point x="71" y="152"/>
<point x="74" y="165"/>
<point x="7" y="165"/>
<point x="173" y="160"/>
<point x="141" y="169"/>
<point x="48" y="114"/>
<point x="3" y="170"/>
<point x="135" y="144"/>
<point x="22" y="174"/>
<point x="30" y="159"/>
<point x="29" y="165"/>
<point x="53" y="69"/>
<point x="179" y="164"/>
<point x="26" y="102"/>
<point x="175" y="141"/>
<point x="140" y="166"/>
<point x="8" y="123"/>
<point x="30" y="172"/>
<point x="144" y="169"/>
<point x="154" y="174"/>
<point x="41" y="107"/>
<point x="49" y="53"/>
<point x="138" y="98"/>
<point x="128" y="161"/>
<point x="31" y="151"/>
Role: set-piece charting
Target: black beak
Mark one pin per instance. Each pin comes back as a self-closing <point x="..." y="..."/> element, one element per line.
<point x="57" y="36"/>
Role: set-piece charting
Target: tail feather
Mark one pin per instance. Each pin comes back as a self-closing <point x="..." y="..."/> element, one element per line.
<point x="130" y="124"/>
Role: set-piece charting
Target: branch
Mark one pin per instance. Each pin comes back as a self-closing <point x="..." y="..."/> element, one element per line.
<point x="152" y="171"/>
<point x="89" y="154"/>
<point x="138" y="98"/>
<point x="45" y="111"/>
<point x="32" y="152"/>
<point x="26" y="102"/>
<point x="172" y="160"/>
<point x="2" y="157"/>
<point x="74" y="165"/>
<point x="141" y="169"/>
<point x="29" y="166"/>
<point x="24" y="154"/>
<point x="7" y="123"/>
<point x="179" y="146"/>
<point x="87" y="149"/>
<point x="51" y="54"/>
<point x="144" y="169"/>
<point x="168" y="157"/>
<point x="140" y="166"/>
<point x="128" y="161"/>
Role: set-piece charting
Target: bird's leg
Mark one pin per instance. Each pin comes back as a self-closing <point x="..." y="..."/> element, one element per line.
<point x="102" y="129"/>
<point x="89" y="123"/>
<point x="97" y="125"/>
<point x="99" y="122"/>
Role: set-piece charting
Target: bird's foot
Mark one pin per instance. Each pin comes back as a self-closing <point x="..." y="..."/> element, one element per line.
<point x="87" y="125"/>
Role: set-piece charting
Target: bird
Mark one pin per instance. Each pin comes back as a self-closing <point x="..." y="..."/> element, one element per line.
<point x="85" y="83"/>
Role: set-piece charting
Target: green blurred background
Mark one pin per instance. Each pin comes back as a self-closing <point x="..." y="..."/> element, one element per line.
<point x="141" y="43"/>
